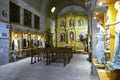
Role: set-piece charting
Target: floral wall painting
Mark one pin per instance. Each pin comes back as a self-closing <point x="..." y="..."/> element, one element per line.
<point x="71" y="35"/>
<point x="62" y="37"/>
<point x="71" y="22"/>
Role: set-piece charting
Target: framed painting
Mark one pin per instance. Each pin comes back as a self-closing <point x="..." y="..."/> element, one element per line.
<point x="14" y="13"/>
<point x="36" y="22"/>
<point x="62" y="37"/>
<point x="27" y="18"/>
<point x="71" y="35"/>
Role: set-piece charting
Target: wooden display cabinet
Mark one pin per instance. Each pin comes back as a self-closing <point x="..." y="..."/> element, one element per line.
<point x="15" y="45"/>
<point x="15" y="33"/>
<point x="26" y="40"/>
<point x="39" y="43"/>
<point x="26" y="43"/>
<point x="34" y="39"/>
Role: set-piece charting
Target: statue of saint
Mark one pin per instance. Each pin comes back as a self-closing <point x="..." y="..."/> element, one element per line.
<point x="115" y="64"/>
<point x="62" y="37"/>
<point x="71" y="22"/>
<point x="100" y="44"/>
<point x="71" y="35"/>
<point x="16" y="42"/>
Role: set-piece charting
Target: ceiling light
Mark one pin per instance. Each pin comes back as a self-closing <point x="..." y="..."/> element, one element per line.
<point x="100" y="4"/>
<point x="96" y="13"/>
<point x="94" y="18"/>
<point x="53" y="9"/>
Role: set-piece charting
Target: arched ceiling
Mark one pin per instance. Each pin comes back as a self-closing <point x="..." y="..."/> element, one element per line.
<point x="73" y="9"/>
<point x="69" y="5"/>
<point x="64" y="6"/>
<point x="35" y="4"/>
<point x="61" y="4"/>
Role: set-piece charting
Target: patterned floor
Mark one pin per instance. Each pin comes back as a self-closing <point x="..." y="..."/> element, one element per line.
<point x="78" y="69"/>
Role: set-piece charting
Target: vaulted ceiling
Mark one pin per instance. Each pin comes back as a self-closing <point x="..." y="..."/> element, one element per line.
<point x="34" y="3"/>
<point x="64" y="6"/>
<point x="67" y="5"/>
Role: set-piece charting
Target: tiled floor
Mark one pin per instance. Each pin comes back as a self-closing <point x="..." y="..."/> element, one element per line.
<point x="77" y="69"/>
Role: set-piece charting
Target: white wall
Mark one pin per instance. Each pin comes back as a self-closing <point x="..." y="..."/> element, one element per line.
<point x="4" y="6"/>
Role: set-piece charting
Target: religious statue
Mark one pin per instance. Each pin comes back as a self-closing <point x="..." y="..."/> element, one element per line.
<point x="100" y="44"/>
<point x="62" y="23"/>
<point x="80" y="22"/>
<point x="115" y="64"/>
<point x="71" y="22"/>
<point x="15" y="42"/>
<point x="62" y="37"/>
<point x="71" y="35"/>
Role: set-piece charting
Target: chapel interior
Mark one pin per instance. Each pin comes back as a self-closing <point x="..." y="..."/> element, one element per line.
<point x="59" y="40"/>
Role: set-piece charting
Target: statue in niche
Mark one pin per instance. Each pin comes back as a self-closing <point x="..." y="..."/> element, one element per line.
<point x="62" y="23"/>
<point x="115" y="64"/>
<point x="15" y="42"/>
<point x="100" y="44"/>
<point x="33" y="41"/>
<point x="81" y="36"/>
<point x="80" y="22"/>
<point x="43" y="41"/>
<point x="71" y="35"/>
<point x="62" y="37"/>
<point x="28" y="42"/>
<point x="71" y="22"/>
<point x="25" y="42"/>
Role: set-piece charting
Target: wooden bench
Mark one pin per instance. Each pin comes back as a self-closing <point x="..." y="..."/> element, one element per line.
<point x="52" y="54"/>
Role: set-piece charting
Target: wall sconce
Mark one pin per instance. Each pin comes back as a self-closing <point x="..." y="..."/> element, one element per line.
<point x="53" y="9"/>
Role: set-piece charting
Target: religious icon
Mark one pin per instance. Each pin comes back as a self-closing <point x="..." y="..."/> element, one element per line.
<point x="80" y="22"/>
<point x="15" y="42"/>
<point x="62" y="37"/>
<point x="71" y="22"/>
<point x="62" y="23"/>
<point x="81" y="36"/>
<point x="71" y="35"/>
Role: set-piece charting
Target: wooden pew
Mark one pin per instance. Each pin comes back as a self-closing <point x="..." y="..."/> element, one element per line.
<point x="51" y="54"/>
